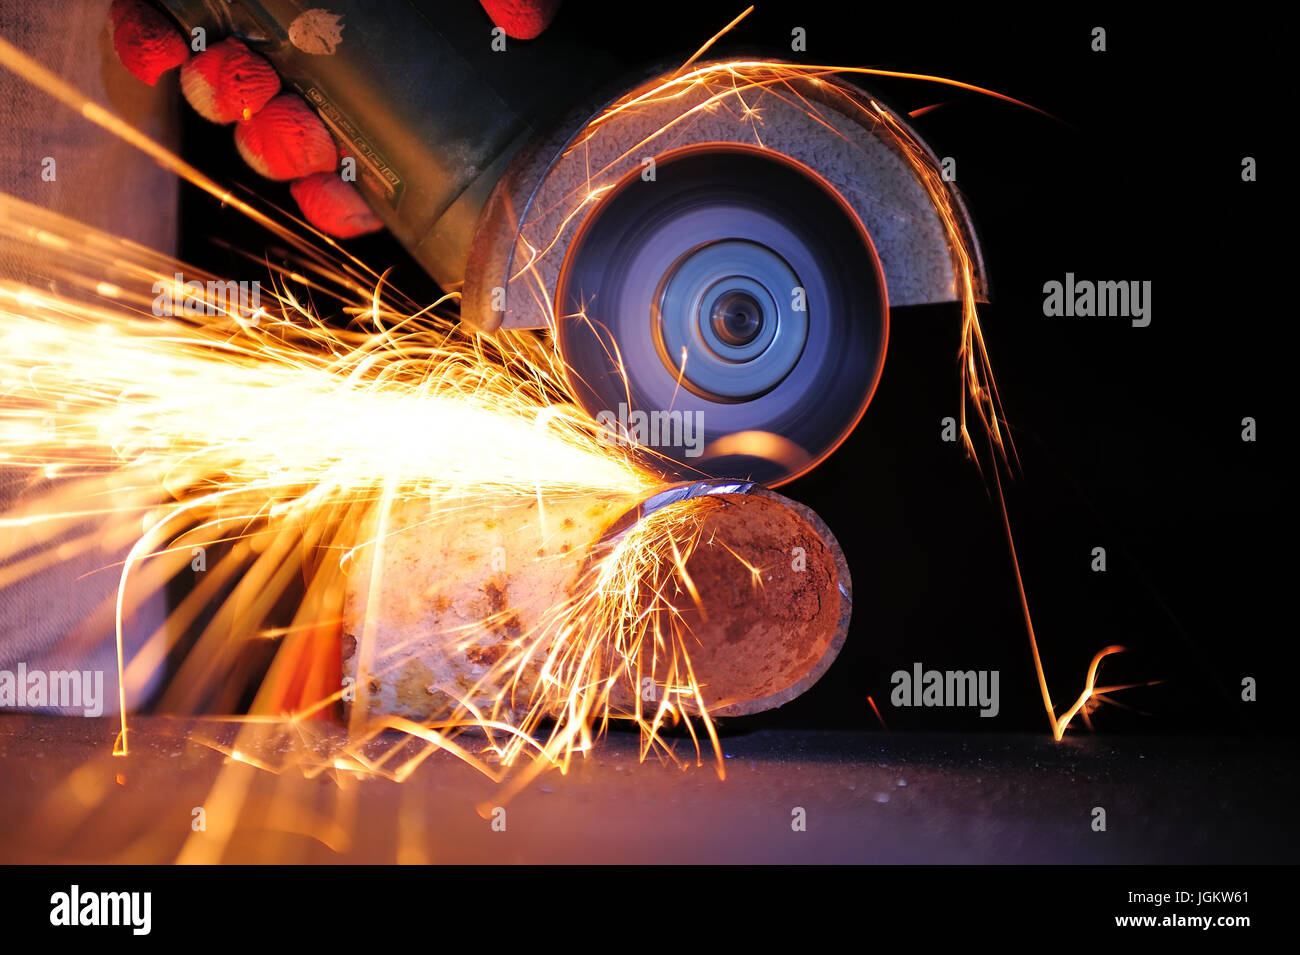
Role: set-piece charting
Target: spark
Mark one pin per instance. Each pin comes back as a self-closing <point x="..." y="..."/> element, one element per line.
<point x="715" y="38"/>
<point x="875" y="709"/>
<point x="273" y="438"/>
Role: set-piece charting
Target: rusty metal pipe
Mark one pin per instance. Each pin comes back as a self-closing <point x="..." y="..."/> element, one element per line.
<point x="435" y="604"/>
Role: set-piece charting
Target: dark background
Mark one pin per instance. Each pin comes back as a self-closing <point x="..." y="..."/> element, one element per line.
<point x="1129" y="438"/>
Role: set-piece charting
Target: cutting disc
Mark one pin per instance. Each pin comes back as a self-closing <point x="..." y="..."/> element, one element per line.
<point x="725" y="314"/>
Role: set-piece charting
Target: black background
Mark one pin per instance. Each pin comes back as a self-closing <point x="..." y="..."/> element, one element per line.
<point x="1129" y="438"/>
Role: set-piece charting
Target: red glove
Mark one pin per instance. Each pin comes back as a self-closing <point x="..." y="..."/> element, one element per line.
<point x="279" y="136"/>
<point x="521" y="19"/>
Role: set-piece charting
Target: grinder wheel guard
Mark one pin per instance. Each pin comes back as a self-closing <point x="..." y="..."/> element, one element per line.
<point x="735" y="291"/>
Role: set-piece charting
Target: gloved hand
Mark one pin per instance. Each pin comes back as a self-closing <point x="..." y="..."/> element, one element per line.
<point x="277" y="134"/>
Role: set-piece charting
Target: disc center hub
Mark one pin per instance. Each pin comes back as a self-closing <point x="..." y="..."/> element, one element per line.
<point x="730" y="319"/>
<point x="737" y="318"/>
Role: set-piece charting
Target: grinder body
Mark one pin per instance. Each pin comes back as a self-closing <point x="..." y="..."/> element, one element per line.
<point x="414" y="92"/>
